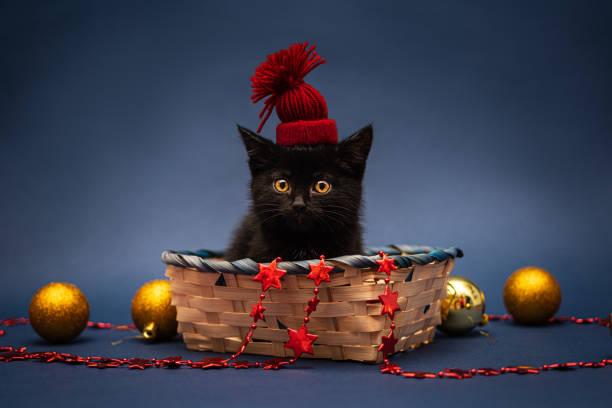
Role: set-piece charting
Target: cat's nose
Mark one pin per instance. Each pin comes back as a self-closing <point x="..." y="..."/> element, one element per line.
<point x="298" y="204"/>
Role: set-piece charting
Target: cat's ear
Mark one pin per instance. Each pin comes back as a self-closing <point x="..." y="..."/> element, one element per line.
<point x="354" y="150"/>
<point x="258" y="148"/>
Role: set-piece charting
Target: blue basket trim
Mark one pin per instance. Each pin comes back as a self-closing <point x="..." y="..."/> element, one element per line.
<point x="389" y="249"/>
<point x="201" y="259"/>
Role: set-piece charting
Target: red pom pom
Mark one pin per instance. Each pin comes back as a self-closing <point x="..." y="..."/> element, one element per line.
<point x="280" y="79"/>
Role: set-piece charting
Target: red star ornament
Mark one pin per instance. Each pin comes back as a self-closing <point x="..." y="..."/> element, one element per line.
<point x="269" y="275"/>
<point x="210" y="362"/>
<point x="457" y="373"/>
<point x="487" y="371"/>
<point x="418" y="374"/>
<point x="139" y="363"/>
<point x="257" y="313"/>
<point x="241" y="364"/>
<point x="300" y="341"/>
<point x="388" y="345"/>
<point x="385" y="264"/>
<point x="390" y="369"/>
<point x="312" y="305"/>
<point x="105" y="363"/>
<point x="13" y="355"/>
<point x="274" y="364"/>
<point x="170" y="362"/>
<point x="320" y="272"/>
<point x="389" y="302"/>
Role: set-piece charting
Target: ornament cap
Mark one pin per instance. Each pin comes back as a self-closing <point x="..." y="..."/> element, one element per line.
<point x="150" y="331"/>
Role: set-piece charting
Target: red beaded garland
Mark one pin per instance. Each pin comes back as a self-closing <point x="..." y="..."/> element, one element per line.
<point x="388" y="343"/>
<point x="455" y="373"/>
<point x="10" y="353"/>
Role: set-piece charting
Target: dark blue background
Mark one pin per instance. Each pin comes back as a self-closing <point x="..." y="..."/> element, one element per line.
<point x="117" y="123"/>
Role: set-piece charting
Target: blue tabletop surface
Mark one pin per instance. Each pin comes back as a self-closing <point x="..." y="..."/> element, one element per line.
<point x="321" y="382"/>
<point x="492" y="132"/>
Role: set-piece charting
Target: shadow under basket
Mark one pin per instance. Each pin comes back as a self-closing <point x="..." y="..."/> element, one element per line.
<point x="213" y="299"/>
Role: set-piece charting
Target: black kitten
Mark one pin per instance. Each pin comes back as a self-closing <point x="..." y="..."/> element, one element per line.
<point x="306" y="200"/>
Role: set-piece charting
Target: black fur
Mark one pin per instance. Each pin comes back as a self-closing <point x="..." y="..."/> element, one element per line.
<point x="301" y="224"/>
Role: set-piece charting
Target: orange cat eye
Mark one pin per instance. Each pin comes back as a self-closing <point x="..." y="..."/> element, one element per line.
<point x="281" y="185"/>
<point x="322" y="187"/>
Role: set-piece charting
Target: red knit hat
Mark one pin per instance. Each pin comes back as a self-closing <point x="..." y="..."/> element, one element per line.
<point x="301" y="108"/>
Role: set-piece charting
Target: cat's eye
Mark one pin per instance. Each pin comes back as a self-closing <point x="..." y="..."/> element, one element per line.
<point x="322" y="187"/>
<point x="281" y="185"/>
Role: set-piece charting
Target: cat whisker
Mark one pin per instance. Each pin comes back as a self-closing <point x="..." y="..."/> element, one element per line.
<point x="339" y="207"/>
<point x="267" y="211"/>
<point x="344" y="216"/>
<point x="265" y="207"/>
<point x="334" y="221"/>
<point x="270" y="218"/>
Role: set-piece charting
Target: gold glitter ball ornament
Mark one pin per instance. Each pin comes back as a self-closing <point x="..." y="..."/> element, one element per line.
<point x="59" y="312"/>
<point x="152" y="311"/>
<point x="463" y="308"/>
<point x="532" y="295"/>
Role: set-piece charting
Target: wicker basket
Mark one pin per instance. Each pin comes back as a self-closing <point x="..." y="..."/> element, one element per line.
<point x="214" y="298"/>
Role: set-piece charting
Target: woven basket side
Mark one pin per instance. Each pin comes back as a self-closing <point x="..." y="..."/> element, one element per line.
<point x="347" y="320"/>
<point x="422" y="313"/>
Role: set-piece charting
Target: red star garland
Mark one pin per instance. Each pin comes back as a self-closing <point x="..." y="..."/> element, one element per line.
<point x="388" y="344"/>
<point x="170" y="362"/>
<point x="139" y="363"/>
<point x="269" y="275"/>
<point x="456" y="373"/>
<point x="390" y="369"/>
<point x="12" y="354"/>
<point x="320" y="272"/>
<point x="385" y="264"/>
<point x="241" y="364"/>
<point x="417" y="374"/>
<point x="274" y="364"/>
<point x="486" y="371"/>
<point x="257" y="313"/>
<point x="594" y="364"/>
<point x="100" y="362"/>
<point x="563" y="366"/>
<point x="300" y="341"/>
<point x="389" y="302"/>
<point x="522" y="370"/>
<point x="312" y="305"/>
<point x="70" y="359"/>
<point x="210" y="362"/>
<point x="50" y="357"/>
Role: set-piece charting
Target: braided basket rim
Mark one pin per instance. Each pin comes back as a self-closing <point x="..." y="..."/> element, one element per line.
<point x="405" y="256"/>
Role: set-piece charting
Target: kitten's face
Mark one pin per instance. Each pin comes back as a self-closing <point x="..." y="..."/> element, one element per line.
<point x="307" y="188"/>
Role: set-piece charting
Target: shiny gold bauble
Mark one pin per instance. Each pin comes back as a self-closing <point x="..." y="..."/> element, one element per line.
<point x="463" y="308"/>
<point x="152" y="312"/>
<point x="59" y="312"/>
<point x="532" y="295"/>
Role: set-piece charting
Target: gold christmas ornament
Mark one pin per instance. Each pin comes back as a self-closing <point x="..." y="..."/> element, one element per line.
<point x="152" y="312"/>
<point x="59" y="312"/>
<point x="532" y="295"/>
<point x="463" y="308"/>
